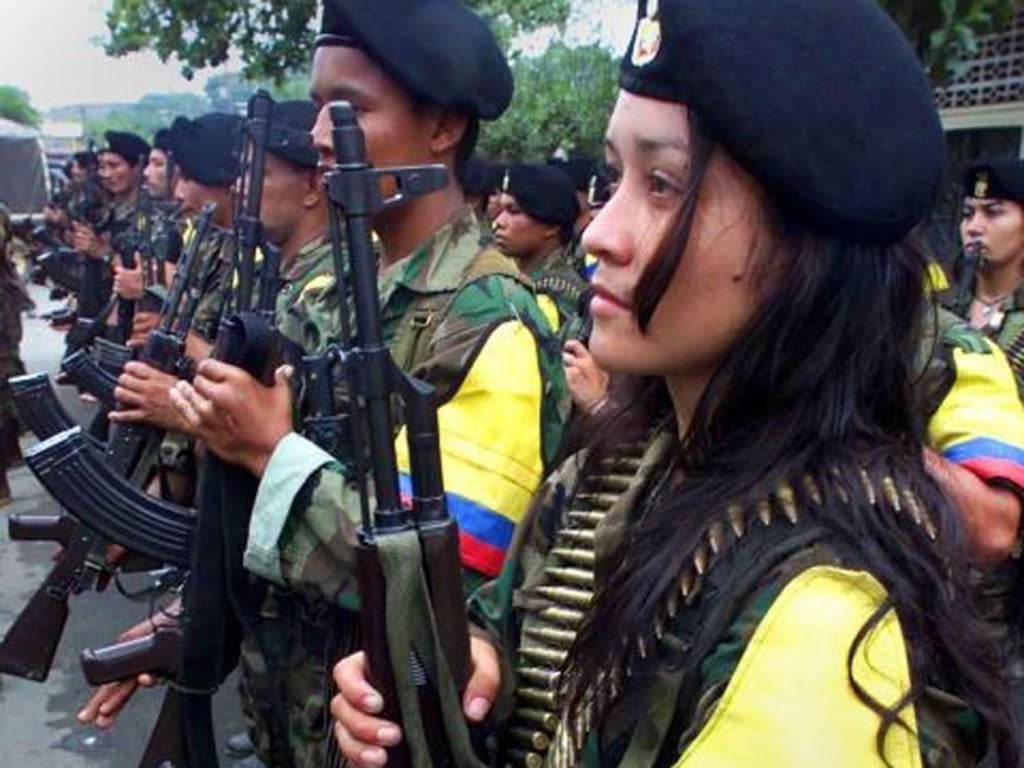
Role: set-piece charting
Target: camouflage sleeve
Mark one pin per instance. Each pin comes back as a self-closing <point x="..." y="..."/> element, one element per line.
<point x="215" y="288"/>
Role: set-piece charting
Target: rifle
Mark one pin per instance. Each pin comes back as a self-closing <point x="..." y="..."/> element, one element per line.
<point x="970" y="261"/>
<point x="132" y="445"/>
<point x="38" y="406"/>
<point x="159" y="654"/>
<point x="221" y="598"/>
<point x="401" y="550"/>
<point x="72" y="470"/>
<point x="86" y="374"/>
<point x="63" y="266"/>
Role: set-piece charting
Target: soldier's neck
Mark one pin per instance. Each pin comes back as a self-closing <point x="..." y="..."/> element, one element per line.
<point x="308" y="231"/>
<point x="404" y="228"/>
<point x="997" y="283"/>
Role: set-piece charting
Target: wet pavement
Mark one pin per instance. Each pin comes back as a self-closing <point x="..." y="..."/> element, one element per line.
<point x="37" y="720"/>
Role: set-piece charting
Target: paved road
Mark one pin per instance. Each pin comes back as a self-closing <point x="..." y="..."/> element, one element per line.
<point x="37" y="726"/>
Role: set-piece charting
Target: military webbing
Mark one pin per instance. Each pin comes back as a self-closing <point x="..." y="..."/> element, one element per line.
<point x="548" y="634"/>
<point x="411" y="345"/>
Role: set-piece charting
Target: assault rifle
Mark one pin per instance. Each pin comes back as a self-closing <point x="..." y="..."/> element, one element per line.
<point x="420" y="671"/>
<point x="221" y="598"/>
<point x="132" y="446"/>
<point x="967" y="270"/>
<point x="158" y="654"/>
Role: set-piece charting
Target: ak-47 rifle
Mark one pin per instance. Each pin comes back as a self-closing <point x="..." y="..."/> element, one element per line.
<point x="158" y="654"/>
<point x="131" y="446"/>
<point x="966" y="272"/>
<point x="412" y="615"/>
<point x="221" y="598"/>
<point x="166" y="248"/>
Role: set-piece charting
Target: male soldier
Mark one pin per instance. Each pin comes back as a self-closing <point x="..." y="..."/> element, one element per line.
<point x="294" y="216"/>
<point x="207" y="154"/>
<point x="992" y="231"/>
<point x="535" y="225"/>
<point x="457" y="316"/>
<point x="160" y="173"/>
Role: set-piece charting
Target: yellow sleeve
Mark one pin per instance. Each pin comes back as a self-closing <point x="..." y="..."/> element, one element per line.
<point x="790" y="703"/>
<point x="491" y="445"/>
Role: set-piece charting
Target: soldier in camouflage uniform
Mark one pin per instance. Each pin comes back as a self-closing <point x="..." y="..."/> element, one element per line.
<point x="750" y="565"/>
<point x="459" y="316"/>
<point x="535" y="226"/>
<point x="13" y="301"/>
<point x="992" y="231"/>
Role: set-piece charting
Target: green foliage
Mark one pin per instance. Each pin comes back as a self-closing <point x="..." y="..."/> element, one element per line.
<point x="562" y="100"/>
<point x="944" y="31"/>
<point x="148" y="114"/>
<point x="16" y="106"/>
<point x="273" y="37"/>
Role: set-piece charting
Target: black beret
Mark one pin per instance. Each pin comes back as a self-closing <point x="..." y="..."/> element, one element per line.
<point x="162" y="140"/>
<point x="438" y="50"/>
<point x="208" y="148"/>
<point x="822" y="100"/>
<point x="544" y="193"/>
<point x="480" y="178"/>
<point x="86" y="158"/>
<point x="290" y="124"/>
<point x="127" y="145"/>
<point x="1001" y="178"/>
<point x="579" y="169"/>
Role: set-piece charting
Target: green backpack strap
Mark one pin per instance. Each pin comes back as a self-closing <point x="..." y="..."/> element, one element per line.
<point x="416" y="329"/>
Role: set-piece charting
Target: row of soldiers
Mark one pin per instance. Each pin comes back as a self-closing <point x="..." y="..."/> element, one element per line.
<point x="479" y="288"/>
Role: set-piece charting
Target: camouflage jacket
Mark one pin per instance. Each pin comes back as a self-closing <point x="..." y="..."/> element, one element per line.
<point x="306" y="312"/>
<point x="212" y="268"/>
<point x="721" y="677"/>
<point x="558" y="286"/>
<point x="487" y="349"/>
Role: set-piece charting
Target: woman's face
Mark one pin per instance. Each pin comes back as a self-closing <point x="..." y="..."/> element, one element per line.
<point x="716" y="287"/>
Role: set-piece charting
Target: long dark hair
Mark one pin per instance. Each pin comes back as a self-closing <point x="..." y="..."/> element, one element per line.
<point x="819" y="384"/>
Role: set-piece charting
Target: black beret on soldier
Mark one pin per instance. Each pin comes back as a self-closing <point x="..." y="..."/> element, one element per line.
<point x="824" y="101"/>
<point x="162" y="140"/>
<point x="290" y="140"/>
<point x="127" y="145"/>
<point x="438" y="50"/>
<point x="579" y="169"/>
<point x="997" y="178"/>
<point x="544" y="193"/>
<point x="208" y="148"/>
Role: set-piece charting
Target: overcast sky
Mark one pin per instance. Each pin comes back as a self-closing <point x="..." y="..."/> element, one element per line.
<point x="48" y="48"/>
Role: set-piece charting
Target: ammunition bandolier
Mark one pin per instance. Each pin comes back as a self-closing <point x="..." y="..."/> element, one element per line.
<point x="657" y="700"/>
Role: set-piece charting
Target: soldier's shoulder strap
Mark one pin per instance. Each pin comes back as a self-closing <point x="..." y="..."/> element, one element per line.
<point x="415" y="330"/>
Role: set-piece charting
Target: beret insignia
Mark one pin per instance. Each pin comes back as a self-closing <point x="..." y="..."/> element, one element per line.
<point x="648" y="36"/>
<point x="981" y="184"/>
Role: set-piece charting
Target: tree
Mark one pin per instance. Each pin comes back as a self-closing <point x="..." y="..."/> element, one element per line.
<point x="562" y="100"/>
<point x="273" y="37"/>
<point x="943" y="31"/>
<point x="15" y="105"/>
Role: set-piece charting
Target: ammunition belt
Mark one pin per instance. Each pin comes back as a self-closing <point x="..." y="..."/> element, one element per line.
<point x="567" y="584"/>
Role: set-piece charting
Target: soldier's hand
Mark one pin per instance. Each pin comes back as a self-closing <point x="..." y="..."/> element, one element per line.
<point x="588" y="383"/>
<point x="128" y="282"/>
<point x="234" y="415"/>
<point x="143" y="324"/>
<point x="110" y="699"/>
<point x="143" y="395"/>
<point x="83" y="238"/>
<point x="363" y="738"/>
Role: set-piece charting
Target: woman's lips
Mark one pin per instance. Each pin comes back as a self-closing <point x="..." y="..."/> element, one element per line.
<point x="605" y="302"/>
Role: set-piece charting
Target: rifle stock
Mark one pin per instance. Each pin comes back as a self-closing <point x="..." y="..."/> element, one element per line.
<point x="29" y="647"/>
<point x="56" y="528"/>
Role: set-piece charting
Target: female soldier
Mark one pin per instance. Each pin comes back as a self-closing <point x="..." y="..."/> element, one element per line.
<point x="771" y="577"/>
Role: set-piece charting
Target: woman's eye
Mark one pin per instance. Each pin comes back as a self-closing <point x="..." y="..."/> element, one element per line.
<point x="659" y="185"/>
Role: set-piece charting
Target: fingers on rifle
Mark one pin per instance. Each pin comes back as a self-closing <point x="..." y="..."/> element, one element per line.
<point x="128" y="416"/>
<point x="484" y="683"/>
<point x="350" y="677"/>
<point x="368" y="730"/>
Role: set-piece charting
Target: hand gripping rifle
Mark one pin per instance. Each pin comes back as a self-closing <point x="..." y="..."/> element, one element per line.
<point x="222" y="600"/>
<point x="412" y="618"/>
<point x="158" y="654"/>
